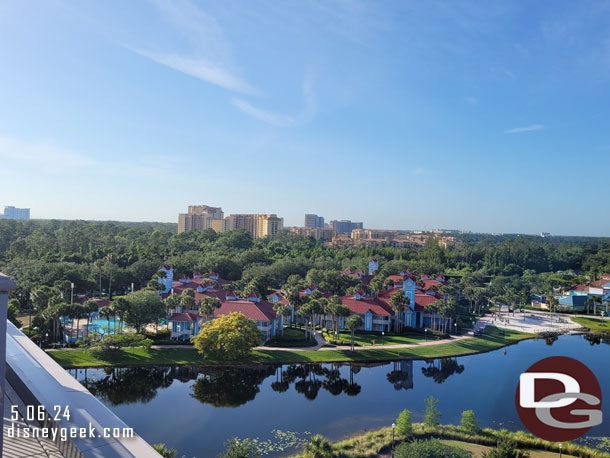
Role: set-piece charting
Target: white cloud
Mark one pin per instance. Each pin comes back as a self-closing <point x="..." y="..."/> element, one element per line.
<point x="262" y="115"/>
<point x="200" y="68"/>
<point x="281" y="119"/>
<point x="209" y="58"/>
<point x="517" y="130"/>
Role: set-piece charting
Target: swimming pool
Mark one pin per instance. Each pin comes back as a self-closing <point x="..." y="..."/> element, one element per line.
<point x="101" y="325"/>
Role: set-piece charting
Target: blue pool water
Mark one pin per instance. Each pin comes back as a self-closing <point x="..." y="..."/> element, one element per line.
<point x="101" y="326"/>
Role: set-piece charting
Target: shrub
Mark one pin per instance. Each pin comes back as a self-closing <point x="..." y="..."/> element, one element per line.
<point x="318" y="447"/>
<point x="235" y="448"/>
<point x="165" y="452"/>
<point x="468" y="422"/>
<point x="432" y="448"/>
<point x="507" y="448"/>
<point x="432" y="416"/>
<point x="115" y="342"/>
<point x="404" y="426"/>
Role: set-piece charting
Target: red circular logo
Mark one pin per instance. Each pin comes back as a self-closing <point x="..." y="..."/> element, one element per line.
<point x="558" y="399"/>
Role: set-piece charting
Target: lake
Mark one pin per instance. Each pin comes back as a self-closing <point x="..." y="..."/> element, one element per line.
<point x="196" y="409"/>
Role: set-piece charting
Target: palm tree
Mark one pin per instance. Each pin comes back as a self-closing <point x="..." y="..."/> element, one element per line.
<point x="187" y="299"/>
<point x="120" y="306"/>
<point x="285" y="313"/>
<point x="398" y="300"/>
<point x="353" y="323"/>
<point x="319" y="447"/>
<point x="552" y="302"/>
<point x="100" y="266"/>
<point x="111" y="261"/>
<point x="592" y="301"/>
<point x="171" y="303"/>
<point x="207" y="306"/>
<point x="280" y="310"/>
<point x="106" y="312"/>
<point x="79" y="312"/>
<point x="90" y="307"/>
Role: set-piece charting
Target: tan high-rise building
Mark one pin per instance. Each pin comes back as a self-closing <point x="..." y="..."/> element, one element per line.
<point x="268" y="225"/>
<point x="198" y="218"/>
<point x="211" y="212"/>
<point x="201" y="217"/>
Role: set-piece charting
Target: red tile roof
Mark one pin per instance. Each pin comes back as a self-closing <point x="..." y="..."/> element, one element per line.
<point x="257" y="311"/>
<point x="191" y="317"/>
<point x="361" y="306"/>
<point x="421" y="299"/>
<point x="428" y="283"/>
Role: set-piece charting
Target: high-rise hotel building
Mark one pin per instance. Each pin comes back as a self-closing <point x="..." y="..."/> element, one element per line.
<point x="201" y="217"/>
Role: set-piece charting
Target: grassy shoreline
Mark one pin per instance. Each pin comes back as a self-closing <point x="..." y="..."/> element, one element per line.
<point x="379" y="442"/>
<point x="595" y="325"/>
<point x="139" y="356"/>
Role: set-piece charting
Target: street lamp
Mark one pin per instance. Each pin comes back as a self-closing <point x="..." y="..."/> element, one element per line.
<point x="455" y="324"/>
<point x="72" y="293"/>
<point x="132" y="287"/>
<point x="426" y="333"/>
<point x="393" y="428"/>
<point x="560" y="449"/>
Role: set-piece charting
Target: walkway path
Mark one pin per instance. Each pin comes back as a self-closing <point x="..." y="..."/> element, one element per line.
<point x="321" y="342"/>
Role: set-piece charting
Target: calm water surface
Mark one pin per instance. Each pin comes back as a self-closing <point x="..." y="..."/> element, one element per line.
<point x="195" y="410"/>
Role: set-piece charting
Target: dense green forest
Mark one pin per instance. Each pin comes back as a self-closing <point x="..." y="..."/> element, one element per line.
<point x="115" y="255"/>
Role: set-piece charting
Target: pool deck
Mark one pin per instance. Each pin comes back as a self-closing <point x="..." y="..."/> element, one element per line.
<point x="529" y="321"/>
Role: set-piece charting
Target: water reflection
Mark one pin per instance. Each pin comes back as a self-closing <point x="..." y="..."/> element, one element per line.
<point x="118" y="385"/>
<point x="440" y="370"/>
<point x="223" y="387"/>
<point x="236" y="386"/>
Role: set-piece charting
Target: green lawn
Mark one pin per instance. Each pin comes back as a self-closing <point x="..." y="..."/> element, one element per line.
<point x="160" y="356"/>
<point x="478" y="450"/>
<point x="364" y="339"/>
<point x="291" y="337"/>
<point x="594" y="324"/>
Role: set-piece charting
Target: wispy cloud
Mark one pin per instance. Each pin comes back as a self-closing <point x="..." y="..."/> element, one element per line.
<point x="209" y="56"/>
<point x="283" y="120"/>
<point x="200" y="68"/>
<point x="42" y="154"/>
<point x="472" y="100"/>
<point x="263" y="115"/>
<point x="531" y="128"/>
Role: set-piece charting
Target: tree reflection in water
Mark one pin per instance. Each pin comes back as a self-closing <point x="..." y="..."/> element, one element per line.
<point x="229" y="387"/>
<point x="127" y="385"/>
<point x="441" y="369"/>
<point x="402" y="375"/>
<point x="236" y="386"/>
<point x="550" y="340"/>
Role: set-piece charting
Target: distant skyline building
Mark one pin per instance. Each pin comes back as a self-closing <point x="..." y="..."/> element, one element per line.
<point x="345" y="226"/>
<point x="202" y="217"/>
<point x="199" y="218"/>
<point x="15" y="213"/>
<point x="318" y="233"/>
<point x="314" y="221"/>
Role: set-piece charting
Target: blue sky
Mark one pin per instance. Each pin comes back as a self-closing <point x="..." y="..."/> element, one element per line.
<point x="488" y="117"/>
